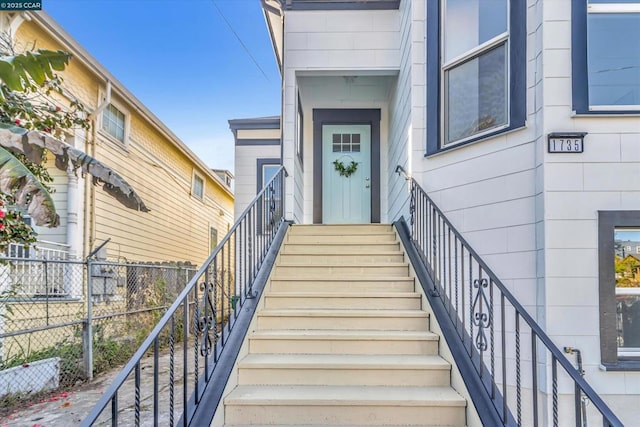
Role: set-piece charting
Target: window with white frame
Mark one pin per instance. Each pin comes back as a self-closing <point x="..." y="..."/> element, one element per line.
<point x="197" y="187"/>
<point x="606" y="56"/>
<point x="114" y="122"/>
<point x="476" y="70"/>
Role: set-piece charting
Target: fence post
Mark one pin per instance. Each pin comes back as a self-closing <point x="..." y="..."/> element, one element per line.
<point x="87" y="341"/>
<point x="87" y="327"/>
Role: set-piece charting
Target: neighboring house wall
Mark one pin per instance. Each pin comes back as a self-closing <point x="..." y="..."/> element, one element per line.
<point x="257" y="142"/>
<point x="154" y="161"/>
<point x="60" y="195"/>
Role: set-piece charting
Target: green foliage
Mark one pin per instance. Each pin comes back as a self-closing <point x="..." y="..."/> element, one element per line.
<point x="27" y="81"/>
<point x="22" y="72"/>
<point x="12" y="227"/>
<point x="19" y="182"/>
<point x="627" y="271"/>
<point x="70" y="354"/>
<point x="343" y="170"/>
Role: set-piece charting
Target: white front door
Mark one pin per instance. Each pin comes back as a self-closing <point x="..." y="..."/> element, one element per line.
<point x="346" y="174"/>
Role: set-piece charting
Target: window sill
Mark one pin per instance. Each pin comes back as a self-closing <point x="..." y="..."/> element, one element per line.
<point x="195" y="197"/>
<point x="482" y="138"/>
<point x="121" y="144"/>
<point x="605" y="113"/>
<point x="628" y="365"/>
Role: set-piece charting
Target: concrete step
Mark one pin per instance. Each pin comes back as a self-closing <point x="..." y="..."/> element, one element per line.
<point x="339" y="259"/>
<point x="339" y="405"/>
<point x="394" y="269"/>
<point x="340" y="248"/>
<point x="382" y="320"/>
<point x="319" y="341"/>
<point x="324" y="425"/>
<point x="353" y="284"/>
<point x="352" y="239"/>
<point x="340" y="369"/>
<point x="330" y="425"/>
<point x="342" y="300"/>
<point x="339" y="229"/>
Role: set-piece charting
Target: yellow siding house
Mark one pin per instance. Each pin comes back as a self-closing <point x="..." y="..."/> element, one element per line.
<point x="191" y="206"/>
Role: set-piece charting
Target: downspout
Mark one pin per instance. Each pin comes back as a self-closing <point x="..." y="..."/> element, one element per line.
<point x="90" y="191"/>
<point x="106" y="101"/>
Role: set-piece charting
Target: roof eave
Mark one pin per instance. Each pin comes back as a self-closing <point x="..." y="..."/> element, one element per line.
<point x="81" y="54"/>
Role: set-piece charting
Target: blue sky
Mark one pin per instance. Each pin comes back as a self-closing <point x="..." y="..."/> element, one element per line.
<point x="183" y="62"/>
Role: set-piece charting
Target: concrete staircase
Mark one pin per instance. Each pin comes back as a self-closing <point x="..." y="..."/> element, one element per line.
<point x="342" y="339"/>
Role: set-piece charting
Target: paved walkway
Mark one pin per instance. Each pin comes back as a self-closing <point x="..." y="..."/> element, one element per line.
<point x="65" y="409"/>
<point x="61" y="408"/>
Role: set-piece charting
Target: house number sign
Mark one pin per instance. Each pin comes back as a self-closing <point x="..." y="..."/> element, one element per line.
<point x="565" y="142"/>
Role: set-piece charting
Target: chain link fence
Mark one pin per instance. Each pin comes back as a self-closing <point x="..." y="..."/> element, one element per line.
<point x="53" y="336"/>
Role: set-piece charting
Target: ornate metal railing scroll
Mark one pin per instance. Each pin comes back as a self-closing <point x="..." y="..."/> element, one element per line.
<point x="526" y="378"/>
<point x="202" y="328"/>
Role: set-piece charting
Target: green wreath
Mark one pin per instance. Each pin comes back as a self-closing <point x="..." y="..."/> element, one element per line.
<point x="343" y="170"/>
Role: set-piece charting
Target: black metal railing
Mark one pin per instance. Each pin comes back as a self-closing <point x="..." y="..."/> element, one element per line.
<point x="516" y="367"/>
<point x="199" y="336"/>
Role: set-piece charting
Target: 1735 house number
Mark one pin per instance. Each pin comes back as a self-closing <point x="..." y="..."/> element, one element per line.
<point x="566" y="143"/>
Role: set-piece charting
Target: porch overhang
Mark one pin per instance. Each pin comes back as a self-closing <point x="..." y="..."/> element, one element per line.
<point x="340" y="4"/>
<point x="274" y="15"/>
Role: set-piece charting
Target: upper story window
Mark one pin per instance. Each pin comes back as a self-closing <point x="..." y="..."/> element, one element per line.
<point x="114" y="123"/>
<point x="476" y="70"/>
<point x="606" y="56"/>
<point x="197" y="188"/>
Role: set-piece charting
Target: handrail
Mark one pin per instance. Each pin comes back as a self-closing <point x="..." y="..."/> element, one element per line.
<point x="200" y="321"/>
<point x="467" y="287"/>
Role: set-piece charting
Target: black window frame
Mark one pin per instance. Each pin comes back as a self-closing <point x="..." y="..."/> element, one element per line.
<point x="517" y="68"/>
<point x="608" y="221"/>
<point x="260" y="164"/>
<point x="579" y="64"/>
